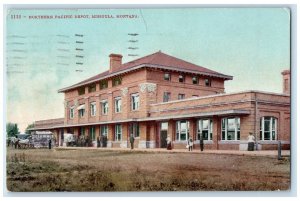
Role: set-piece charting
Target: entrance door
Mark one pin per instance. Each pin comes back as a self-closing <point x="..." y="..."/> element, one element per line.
<point x="163" y="134"/>
<point x="163" y="137"/>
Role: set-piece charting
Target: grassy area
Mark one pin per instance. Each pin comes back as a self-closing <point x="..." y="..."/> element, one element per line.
<point x="38" y="170"/>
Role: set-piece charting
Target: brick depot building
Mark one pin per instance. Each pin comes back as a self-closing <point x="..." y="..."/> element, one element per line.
<point x="160" y="95"/>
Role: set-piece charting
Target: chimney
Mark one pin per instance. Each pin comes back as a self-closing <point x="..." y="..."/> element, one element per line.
<point x="115" y="62"/>
<point x="286" y="78"/>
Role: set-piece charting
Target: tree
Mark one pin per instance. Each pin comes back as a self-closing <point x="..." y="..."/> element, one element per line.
<point x="12" y="129"/>
<point x="27" y="131"/>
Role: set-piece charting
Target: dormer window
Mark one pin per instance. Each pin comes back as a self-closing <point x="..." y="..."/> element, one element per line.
<point x="195" y="80"/>
<point x="167" y="76"/>
<point x="92" y="88"/>
<point x="116" y="81"/>
<point x="181" y="78"/>
<point x="207" y="82"/>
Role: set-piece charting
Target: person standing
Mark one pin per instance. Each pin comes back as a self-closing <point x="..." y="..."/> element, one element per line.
<point x="98" y="141"/>
<point x="101" y="141"/>
<point x="201" y="143"/>
<point x="190" y="144"/>
<point x="131" y="141"/>
<point x="169" y="145"/>
<point x="50" y="143"/>
<point x="251" y="140"/>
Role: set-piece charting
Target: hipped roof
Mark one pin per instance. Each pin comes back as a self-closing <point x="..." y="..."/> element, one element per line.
<point x="155" y="60"/>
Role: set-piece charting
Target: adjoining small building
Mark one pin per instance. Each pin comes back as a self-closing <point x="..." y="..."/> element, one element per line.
<point x="158" y="96"/>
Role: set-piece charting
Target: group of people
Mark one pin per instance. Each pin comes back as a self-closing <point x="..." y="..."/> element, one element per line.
<point x="190" y="144"/>
<point x="102" y="141"/>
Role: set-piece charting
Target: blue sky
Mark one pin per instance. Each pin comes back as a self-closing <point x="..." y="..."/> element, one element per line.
<point x="251" y="44"/>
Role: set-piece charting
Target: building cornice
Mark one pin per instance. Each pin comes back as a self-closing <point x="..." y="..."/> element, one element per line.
<point x="220" y="95"/>
<point x="226" y="77"/>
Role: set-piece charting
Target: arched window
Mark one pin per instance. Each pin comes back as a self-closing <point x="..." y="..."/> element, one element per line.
<point x="268" y="128"/>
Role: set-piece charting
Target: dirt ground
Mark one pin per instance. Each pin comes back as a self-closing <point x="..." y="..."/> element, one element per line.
<point x="36" y="170"/>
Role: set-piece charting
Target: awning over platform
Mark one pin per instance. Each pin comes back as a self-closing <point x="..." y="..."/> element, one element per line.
<point x="199" y="114"/>
<point x="160" y="118"/>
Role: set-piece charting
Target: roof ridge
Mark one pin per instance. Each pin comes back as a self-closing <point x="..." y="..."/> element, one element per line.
<point x="133" y="61"/>
<point x="191" y="63"/>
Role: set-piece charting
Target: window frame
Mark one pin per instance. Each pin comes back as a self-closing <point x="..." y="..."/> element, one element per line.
<point x="104" y="107"/>
<point x="81" y="112"/>
<point x="116" y="100"/>
<point x="168" y="95"/>
<point x="72" y="112"/>
<point x="271" y="130"/>
<point x="179" y="130"/>
<point x="104" y="130"/>
<point x="116" y="81"/>
<point x="134" y="128"/>
<point x="93" y="109"/>
<point x="181" y="77"/>
<point x="237" y="129"/>
<point x="92" y="133"/>
<point x="103" y="84"/>
<point x="92" y="88"/>
<point x="167" y="78"/>
<point x="207" y="82"/>
<point x="181" y="96"/>
<point x="209" y="129"/>
<point x="135" y="105"/>
<point x="197" y="79"/>
<point x="118" y="132"/>
<point x="81" y="91"/>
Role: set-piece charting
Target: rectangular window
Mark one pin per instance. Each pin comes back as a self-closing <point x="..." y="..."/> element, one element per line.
<point x="231" y="128"/>
<point x="195" y="80"/>
<point x="195" y="96"/>
<point x="207" y="82"/>
<point x="205" y="128"/>
<point x="181" y="78"/>
<point x="71" y="112"/>
<point x="81" y="110"/>
<point x="92" y="88"/>
<point x="116" y="81"/>
<point x="268" y="128"/>
<point x="167" y="96"/>
<point x="81" y="91"/>
<point x="81" y="113"/>
<point x="164" y="126"/>
<point x="93" y="109"/>
<point x="181" y="96"/>
<point x="104" y="106"/>
<point x="92" y="133"/>
<point x="82" y="131"/>
<point x="134" y="129"/>
<point x="118" y="104"/>
<point x="135" y="101"/>
<point x="104" y="130"/>
<point x="182" y="130"/>
<point x="118" y="132"/>
<point x="167" y="76"/>
<point x="103" y="84"/>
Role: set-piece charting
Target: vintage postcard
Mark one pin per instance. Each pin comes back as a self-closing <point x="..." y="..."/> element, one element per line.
<point x="147" y="99"/>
